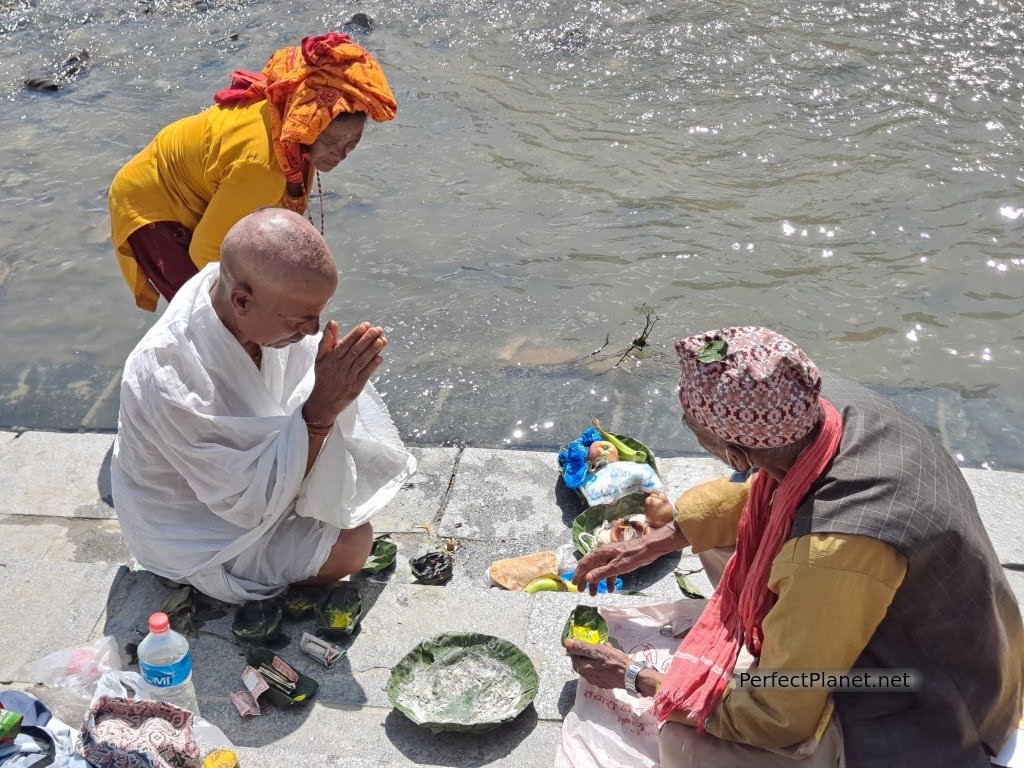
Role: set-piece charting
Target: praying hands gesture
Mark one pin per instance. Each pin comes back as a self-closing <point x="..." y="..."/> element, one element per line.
<point x="342" y="369"/>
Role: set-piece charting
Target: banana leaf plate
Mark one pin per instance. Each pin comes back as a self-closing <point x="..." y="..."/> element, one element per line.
<point x="338" y="614"/>
<point x="463" y="682"/>
<point x="585" y="623"/>
<point x="590" y="519"/>
<point x="258" y="621"/>
<point x="382" y="555"/>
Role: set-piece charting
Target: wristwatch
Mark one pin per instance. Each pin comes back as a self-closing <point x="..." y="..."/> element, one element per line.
<point x="631" y="675"/>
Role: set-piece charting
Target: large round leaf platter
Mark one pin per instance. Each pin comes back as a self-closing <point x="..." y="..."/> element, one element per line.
<point x="463" y="682"/>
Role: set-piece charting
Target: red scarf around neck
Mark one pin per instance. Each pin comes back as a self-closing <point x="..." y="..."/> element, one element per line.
<point x="704" y="663"/>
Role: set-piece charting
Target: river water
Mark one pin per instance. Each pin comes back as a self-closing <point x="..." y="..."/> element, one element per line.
<point x="846" y="172"/>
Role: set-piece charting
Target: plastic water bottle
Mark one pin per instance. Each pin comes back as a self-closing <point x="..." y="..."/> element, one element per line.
<point x="166" y="664"/>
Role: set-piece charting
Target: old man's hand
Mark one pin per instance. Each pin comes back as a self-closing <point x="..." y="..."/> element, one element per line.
<point x="342" y="369"/>
<point x="610" y="561"/>
<point x="600" y="665"/>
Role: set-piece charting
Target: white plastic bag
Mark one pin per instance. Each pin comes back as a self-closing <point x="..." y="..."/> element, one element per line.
<point x="610" y="728"/>
<point x="77" y="669"/>
<point x="122" y="685"/>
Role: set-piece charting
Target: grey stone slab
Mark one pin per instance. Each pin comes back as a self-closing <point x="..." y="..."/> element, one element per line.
<point x="6" y="438"/>
<point x="420" y="500"/>
<point x="47" y="607"/>
<point x="503" y="496"/>
<point x="26" y="541"/>
<point x="1000" y="499"/>
<point x="27" y="537"/>
<point x="61" y="475"/>
<point x="321" y="737"/>
<point x="681" y="474"/>
<point x="89" y="541"/>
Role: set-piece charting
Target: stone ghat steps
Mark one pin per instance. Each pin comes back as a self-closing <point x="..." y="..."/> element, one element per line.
<point x="64" y="577"/>
<point x="64" y="582"/>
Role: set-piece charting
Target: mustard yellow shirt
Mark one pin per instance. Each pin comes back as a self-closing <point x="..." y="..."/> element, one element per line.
<point x="205" y="172"/>
<point x="833" y="592"/>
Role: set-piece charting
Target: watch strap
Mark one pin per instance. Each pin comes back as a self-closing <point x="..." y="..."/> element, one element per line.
<point x="631" y="675"/>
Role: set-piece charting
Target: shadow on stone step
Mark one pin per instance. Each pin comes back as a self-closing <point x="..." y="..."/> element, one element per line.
<point x="568" y="501"/>
<point x="103" y="478"/>
<point x="649" y="575"/>
<point x="458" y="750"/>
<point x="567" y="697"/>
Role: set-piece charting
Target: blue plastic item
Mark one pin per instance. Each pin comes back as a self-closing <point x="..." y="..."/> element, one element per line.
<point x="602" y="588"/>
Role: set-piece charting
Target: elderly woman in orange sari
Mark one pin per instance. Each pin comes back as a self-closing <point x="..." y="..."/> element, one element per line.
<point x="260" y="145"/>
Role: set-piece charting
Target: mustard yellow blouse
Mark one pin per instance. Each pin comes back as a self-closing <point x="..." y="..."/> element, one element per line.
<point x="205" y="172"/>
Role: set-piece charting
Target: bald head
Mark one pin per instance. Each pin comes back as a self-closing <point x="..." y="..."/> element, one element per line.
<point x="276" y="247"/>
<point x="276" y="278"/>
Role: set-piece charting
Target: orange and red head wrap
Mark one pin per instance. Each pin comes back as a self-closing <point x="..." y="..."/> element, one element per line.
<point x="309" y="85"/>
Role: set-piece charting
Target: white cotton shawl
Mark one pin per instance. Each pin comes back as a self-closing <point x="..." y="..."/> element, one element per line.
<point x="211" y="450"/>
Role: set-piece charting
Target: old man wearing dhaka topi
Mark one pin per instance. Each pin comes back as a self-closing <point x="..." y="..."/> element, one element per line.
<point x="855" y="546"/>
<point x="252" y="450"/>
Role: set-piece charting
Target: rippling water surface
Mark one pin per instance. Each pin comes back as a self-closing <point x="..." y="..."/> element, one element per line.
<point x="848" y="173"/>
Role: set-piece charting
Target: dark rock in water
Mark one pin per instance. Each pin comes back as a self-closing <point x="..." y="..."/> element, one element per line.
<point x="42" y="84"/>
<point x="75" y="63"/>
<point x="360" y="20"/>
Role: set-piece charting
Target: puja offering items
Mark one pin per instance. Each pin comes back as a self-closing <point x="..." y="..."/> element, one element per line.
<point x="609" y="469"/>
<point x="300" y="601"/>
<point x="517" y="572"/>
<point x="338" y="615"/>
<point x="382" y="555"/>
<point x="466" y="683"/>
<point x="583" y="458"/>
<point x="258" y="621"/>
<point x="432" y="568"/>
<point x="623" y="529"/>
<point x="326" y="653"/>
<point x="550" y="582"/>
<point x="601" y="454"/>
<point x="587" y="625"/>
<point x="623" y="451"/>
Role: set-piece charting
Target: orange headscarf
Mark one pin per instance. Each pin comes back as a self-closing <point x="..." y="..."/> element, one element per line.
<point x="308" y="86"/>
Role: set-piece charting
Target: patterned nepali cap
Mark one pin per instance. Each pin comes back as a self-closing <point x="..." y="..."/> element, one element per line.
<point x="749" y="386"/>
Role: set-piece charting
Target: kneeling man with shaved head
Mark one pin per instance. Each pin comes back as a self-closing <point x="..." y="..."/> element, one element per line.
<point x="251" y="449"/>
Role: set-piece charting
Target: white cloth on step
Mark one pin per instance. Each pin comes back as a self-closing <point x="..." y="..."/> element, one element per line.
<point x="211" y="450"/>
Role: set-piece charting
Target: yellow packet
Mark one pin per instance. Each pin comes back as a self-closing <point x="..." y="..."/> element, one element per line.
<point x="586" y="635"/>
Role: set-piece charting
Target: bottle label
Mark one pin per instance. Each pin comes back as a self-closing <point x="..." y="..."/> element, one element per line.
<point x="169" y="675"/>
